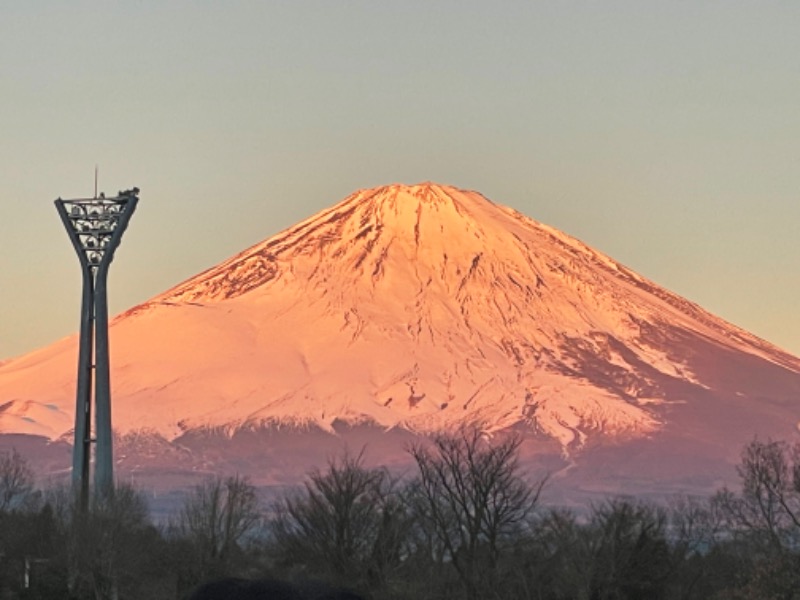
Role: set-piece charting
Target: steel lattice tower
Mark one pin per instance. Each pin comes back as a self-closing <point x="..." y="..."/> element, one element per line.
<point x="95" y="227"/>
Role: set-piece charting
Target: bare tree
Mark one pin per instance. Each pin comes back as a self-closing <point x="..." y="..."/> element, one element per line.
<point x="349" y="522"/>
<point x="108" y="545"/>
<point x="696" y="525"/>
<point x="619" y="551"/>
<point x="16" y="480"/>
<point x="215" y="521"/>
<point x="768" y="507"/>
<point x="763" y="520"/>
<point x="471" y="496"/>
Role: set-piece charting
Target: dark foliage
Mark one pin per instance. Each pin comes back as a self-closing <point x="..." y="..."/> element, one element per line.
<point x="466" y="526"/>
<point x="349" y="523"/>
<point x="269" y="589"/>
<point x="209" y="537"/>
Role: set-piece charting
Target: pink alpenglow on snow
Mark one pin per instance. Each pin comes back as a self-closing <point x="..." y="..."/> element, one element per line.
<point x="419" y="309"/>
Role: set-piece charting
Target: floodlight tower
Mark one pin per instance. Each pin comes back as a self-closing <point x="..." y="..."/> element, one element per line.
<point x="95" y="227"/>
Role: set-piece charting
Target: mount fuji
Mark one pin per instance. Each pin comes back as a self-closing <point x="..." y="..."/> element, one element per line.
<point x="407" y="310"/>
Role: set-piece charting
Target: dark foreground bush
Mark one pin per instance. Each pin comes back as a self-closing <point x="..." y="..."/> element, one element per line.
<point x="269" y="589"/>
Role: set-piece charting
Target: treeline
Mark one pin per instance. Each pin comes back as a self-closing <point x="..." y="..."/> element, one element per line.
<point x="467" y="524"/>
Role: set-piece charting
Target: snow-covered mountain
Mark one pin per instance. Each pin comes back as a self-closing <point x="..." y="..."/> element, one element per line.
<point x="421" y="308"/>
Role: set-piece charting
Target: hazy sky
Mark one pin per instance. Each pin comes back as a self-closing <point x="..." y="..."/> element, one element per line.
<point x="665" y="134"/>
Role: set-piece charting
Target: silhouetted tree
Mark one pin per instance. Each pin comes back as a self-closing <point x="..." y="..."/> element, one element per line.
<point x="696" y="527"/>
<point x="16" y="480"/>
<point x="110" y="551"/>
<point x="621" y="552"/>
<point x="763" y="521"/>
<point x="471" y="502"/>
<point x="269" y="589"/>
<point x="349" y="522"/>
<point x="768" y="508"/>
<point x="214" y="523"/>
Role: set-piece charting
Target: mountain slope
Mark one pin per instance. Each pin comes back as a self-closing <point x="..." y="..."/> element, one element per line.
<point x="420" y="308"/>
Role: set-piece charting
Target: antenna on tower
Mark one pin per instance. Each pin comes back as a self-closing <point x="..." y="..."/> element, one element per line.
<point x="95" y="181"/>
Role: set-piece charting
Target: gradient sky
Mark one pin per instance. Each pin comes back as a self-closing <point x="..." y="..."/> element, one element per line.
<point x="665" y="134"/>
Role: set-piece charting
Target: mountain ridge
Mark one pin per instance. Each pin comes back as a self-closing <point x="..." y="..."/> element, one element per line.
<point x="423" y="308"/>
<point x="262" y="249"/>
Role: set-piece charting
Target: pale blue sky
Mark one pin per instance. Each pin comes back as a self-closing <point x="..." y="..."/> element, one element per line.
<point x="666" y="134"/>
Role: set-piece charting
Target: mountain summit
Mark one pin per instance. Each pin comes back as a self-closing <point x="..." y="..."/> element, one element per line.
<point x="423" y="308"/>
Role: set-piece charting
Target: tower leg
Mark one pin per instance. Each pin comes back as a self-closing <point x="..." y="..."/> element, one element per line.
<point x="83" y="402"/>
<point x="103" y="459"/>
